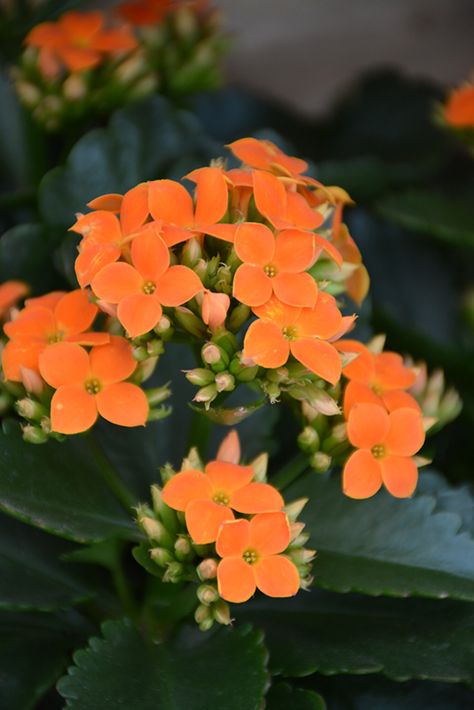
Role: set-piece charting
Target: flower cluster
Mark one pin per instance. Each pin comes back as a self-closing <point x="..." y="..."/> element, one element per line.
<point x="89" y="63"/>
<point x="224" y="528"/>
<point x="457" y="113"/>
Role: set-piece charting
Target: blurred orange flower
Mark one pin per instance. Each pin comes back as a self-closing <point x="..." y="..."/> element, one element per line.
<point x="10" y="293"/>
<point x="459" y="108"/>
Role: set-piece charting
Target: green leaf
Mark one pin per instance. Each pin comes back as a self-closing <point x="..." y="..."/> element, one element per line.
<point x="32" y="576"/>
<point x="450" y="499"/>
<point x="25" y="254"/>
<point x="195" y="671"/>
<point x="333" y="633"/>
<point x="283" y="696"/>
<point x="33" y="654"/>
<point x="449" y="219"/>
<point x="385" y="545"/>
<point x="59" y="488"/>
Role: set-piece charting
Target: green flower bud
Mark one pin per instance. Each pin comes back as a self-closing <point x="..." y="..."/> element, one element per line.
<point x="221" y="612"/>
<point x="30" y="409"/>
<point x="183" y="548"/>
<point x="207" y="569"/>
<point x="207" y="594"/>
<point x="140" y="353"/>
<point x="214" y="356"/>
<point x="294" y="509"/>
<point x="191" y="253"/>
<point x="260" y="466"/>
<point x="34" y="434"/>
<point x="206" y="395"/>
<point x="237" y="317"/>
<point x="203" y="617"/>
<point x="320" y="462"/>
<point x="243" y="373"/>
<point x="157" y="395"/>
<point x="192" y="460"/>
<point x="225" y="382"/>
<point x="155" y="530"/>
<point x="189" y="322"/>
<point x="174" y="573"/>
<point x="308" y="440"/>
<point x="155" y="348"/>
<point x="162" y="557"/>
<point x="200" y="376"/>
<point x="166" y="514"/>
<point x="164" y="328"/>
<point x="159" y="413"/>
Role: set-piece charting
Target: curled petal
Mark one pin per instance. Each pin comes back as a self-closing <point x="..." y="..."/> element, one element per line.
<point x="233" y="538"/>
<point x="110" y="202"/>
<point x="328" y="247"/>
<point x="64" y="364"/>
<point x="270" y="533"/>
<point x="251" y="285"/>
<point x="265" y="345"/>
<point x="256" y="498"/>
<point x="204" y="518"/>
<point x="124" y="404"/>
<point x="139" y="313"/>
<point x="254" y="243"/>
<point x="406" y="434"/>
<point x="134" y="208"/>
<point x="112" y="362"/>
<point x="228" y="477"/>
<point x="235" y="580"/>
<point x="362" y="475"/>
<point x="368" y="425"/>
<point x="400" y="475"/>
<point x="185" y="487"/>
<point x="296" y="289"/>
<point x="277" y="576"/>
<point x="318" y="356"/>
<point x="177" y="286"/>
<point x="73" y="410"/>
<point x="99" y="227"/>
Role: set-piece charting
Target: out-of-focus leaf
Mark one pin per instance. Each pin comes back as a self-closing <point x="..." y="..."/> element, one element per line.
<point x="194" y="671"/>
<point x="450" y="499"/>
<point x="385" y="545"/>
<point x="283" y="696"/>
<point x="25" y="255"/>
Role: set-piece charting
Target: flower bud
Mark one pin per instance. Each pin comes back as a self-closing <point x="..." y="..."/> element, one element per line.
<point x="155" y="530"/>
<point x="214" y="356"/>
<point x="308" y="440"/>
<point x="191" y="253"/>
<point x="229" y="448"/>
<point x="167" y="472"/>
<point x="189" y="322"/>
<point x="260" y="465"/>
<point x="207" y="569"/>
<point x="143" y="88"/>
<point x="30" y="409"/>
<point x="225" y="382"/>
<point x="293" y="509"/>
<point x="164" y="328"/>
<point x="200" y="376"/>
<point x="320" y="462"/>
<point x="155" y="348"/>
<point x="166" y="514"/>
<point x="34" y="434"/>
<point x="239" y="315"/>
<point x="32" y="381"/>
<point x="162" y="557"/>
<point x="74" y="87"/>
<point x="243" y="373"/>
<point x="302" y="556"/>
<point x="206" y="395"/>
<point x="221" y="612"/>
<point x="192" y="460"/>
<point x="272" y="391"/>
<point x="28" y="93"/>
<point x="203" y="617"/>
<point x="207" y="594"/>
<point x="140" y="353"/>
<point x="159" y="413"/>
<point x="157" y="395"/>
<point x="183" y="548"/>
<point x="295" y="530"/>
<point x="174" y="573"/>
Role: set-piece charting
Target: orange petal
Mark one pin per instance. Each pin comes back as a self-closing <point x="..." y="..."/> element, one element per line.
<point x="92" y="259"/>
<point x="280" y="313"/>
<point x="80" y="25"/>
<point x="111" y="202"/>
<point x="277" y="576"/>
<point x="299" y="213"/>
<point x="18" y="355"/>
<point x="34" y="323"/>
<point x="362" y="368"/>
<point x="211" y="195"/>
<point x="318" y="356"/>
<point x="362" y="475"/>
<point x="269" y="533"/>
<point x="204" y="518"/>
<point x="251" y="151"/>
<point x="214" y="309"/>
<point x="74" y="312"/>
<point x="178" y="285"/>
<point x="233" y="538"/>
<point x="356" y="393"/>
<point x="10" y="293"/>
<point x="229" y="449"/>
<point x="139" y="313"/>
<point x="254" y="243"/>
<point x="251" y="285"/>
<point x="64" y="364"/>
<point x="113" y="362"/>
<point x="73" y="410"/>
<point x="368" y="425"/>
<point x="256" y="498"/>
<point x="150" y="255"/>
<point x="358" y="284"/>
<point x="235" y="580"/>
<point x="323" y="321"/>
<point x="171" y="202"/>
<point x="222" y="231"/>
<point x="89" y="338"/>
<point x="396" y="399"/>
<point x="116" y="281"/>
<point x="79" y="59"/>
<point x="265" y="345"/>
<point x="174" y="235"/>
<point x="329" y="248"/>
<point x="406" y="434"/>
<point x="296" y="289"/>
<point x="185" y="487"/>
<point x="134" y="208"/>
<point x="116" y="40"/>
<point x="49" y="300"/>
<point x="270" y="198"/>
<point x="99" y="227"/>
<point x="228" y="477"/>
<point x="391" y="373"/>
<point x="124" y="404"/>
<point x="400" y="475"/>
<point x="294" y="251"/>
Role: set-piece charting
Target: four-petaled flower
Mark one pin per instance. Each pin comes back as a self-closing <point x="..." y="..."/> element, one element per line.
<point x="208" y="499"/>
<point x="251" y="558"/>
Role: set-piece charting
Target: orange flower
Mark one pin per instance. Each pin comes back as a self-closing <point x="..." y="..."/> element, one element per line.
<point x="459" y="108"/>
<point x="385" y="444"/>
<point x="77" y="41"/>
<point x="44" y="320"/>
<point x="89" y="384"/>
<point x="101" y="244"/>
<point x="214" y="308"/>
<point x="284" y="207"/>
<point x="303" y="332"/>
<point x="208" y="499"/>
<point x="274" y="265"/>
<point x="376" y="378"/>
<point x="265" y="155"/>
<point x="251" y="560"/>
<point x="140" y="290"/>
<point x="145" y="12"/>
<point x="10" y="293"/>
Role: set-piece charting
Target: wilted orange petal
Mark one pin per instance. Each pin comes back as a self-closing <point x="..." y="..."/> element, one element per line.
<point x="178" y="285"/>
<point x="251" y="285"/>
<point x="228" y="477"/>
<point x="256" y="498"/>
<point x="73" y="410"/>
<point x="171" y="202"/>
<point x="233" y="538"/>
<point x="296" y="289"/>
<point x="112" y="362"/>
<point x="355" y="393"/>
<point x="318" y="356"/>
<point x="362" y="475"/>
<point x="92" y="259"/>
<point x="116" y="281"/>
<point x="254" y="243"/>
<point x="204" y="518"/>
<point x="64" y="364"/>
<point x="406" y="434"/>
<point x="123" y="403"/>
<point x="211" y="195"/>
<point x="139" y="313"/>
<point x="400" y="475"/>
<point x="324" y="320"/>
<point x="396" y="399"/>
<point x="185" y="487"/>
<point x="265" y="345"/>
<point x="134" y="208"/>
<point x="111" y="202"/>
<point x="229" y="449"/>
<point x="270" y="198"/>
<point x="277" y="576"/>
<point x="269" y="533"/>
<point x="294" y="251"/>
<point x="299" y="213"/>
<point x="235" y="580"/>
<point x="150" y="255"/>
<point x="74" y="313"/>
<point x="368" y="425"/>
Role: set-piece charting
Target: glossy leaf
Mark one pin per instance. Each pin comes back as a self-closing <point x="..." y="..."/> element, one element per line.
<point x="194" y="671"/>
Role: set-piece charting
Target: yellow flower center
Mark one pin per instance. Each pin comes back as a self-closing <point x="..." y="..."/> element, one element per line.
<point x="270" y="270"/>
<point x="378" y="451"/>
<point x="250" y="556"/>
<point x="377" y="389"/>
<point x="55" y="337"/>
<point x="290" y="332"/>
<point x="93" y="386"/>
<point x="221" y="498"/>
<point x="149" y="287"/>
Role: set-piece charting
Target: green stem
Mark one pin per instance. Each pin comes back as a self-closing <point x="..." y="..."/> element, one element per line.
<point x="290" y="472"/>
<point x="123" y="591"/>
<point x="199" y="433"/>
<point x="110" y="475"/>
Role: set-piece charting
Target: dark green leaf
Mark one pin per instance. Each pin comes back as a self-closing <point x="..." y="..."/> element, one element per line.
<point x="195" y="671"/>
<point x="334" y="633"/>
<point x="385" y="545"/>
<point x="59" y="488"/>
<point x="450" y="499"/>
<point x="32" y="576"/>
<point x="283" y="696"/>
<point x="24" y="254"/>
